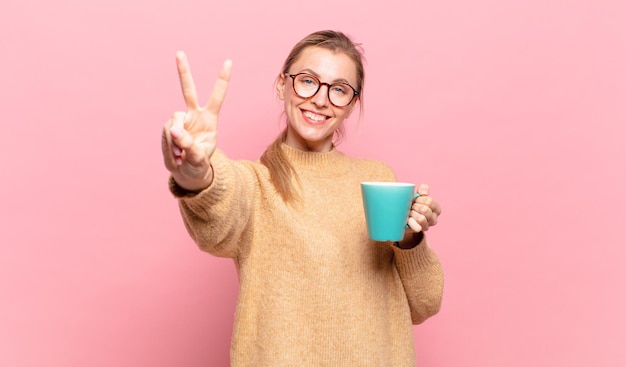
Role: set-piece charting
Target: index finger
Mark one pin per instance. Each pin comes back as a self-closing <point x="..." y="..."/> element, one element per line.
<point x="219" y="89"/>
<point x="429" y="202"/>
<point x="186" y="81"/>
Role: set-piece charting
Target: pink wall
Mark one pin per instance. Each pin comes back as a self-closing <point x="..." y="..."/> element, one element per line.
<point x="513" y="111"/>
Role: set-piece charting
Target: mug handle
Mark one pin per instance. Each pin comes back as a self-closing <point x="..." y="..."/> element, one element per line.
<point x="417" y="194"/>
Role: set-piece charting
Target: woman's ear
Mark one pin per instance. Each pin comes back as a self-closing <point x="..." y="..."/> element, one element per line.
<point x="280" y="87"/>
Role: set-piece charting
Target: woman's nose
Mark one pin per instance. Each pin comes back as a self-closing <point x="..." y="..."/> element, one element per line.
<point x="321" y="97"/>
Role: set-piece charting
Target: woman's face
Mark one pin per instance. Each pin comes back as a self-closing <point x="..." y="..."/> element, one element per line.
<point x="311" y="122"/>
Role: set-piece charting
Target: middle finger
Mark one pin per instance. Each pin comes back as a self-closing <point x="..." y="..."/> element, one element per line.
<point x="426" y="212"/>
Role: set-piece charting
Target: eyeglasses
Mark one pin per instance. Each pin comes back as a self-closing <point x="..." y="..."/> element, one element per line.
<point x="307" y="85"/>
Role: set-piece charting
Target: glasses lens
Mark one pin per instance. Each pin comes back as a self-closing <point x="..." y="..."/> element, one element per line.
<point x="340" y="94"/>
<point x="306" y="85"/>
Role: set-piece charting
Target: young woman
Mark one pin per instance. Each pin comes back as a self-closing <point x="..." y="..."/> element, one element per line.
<point x="314" y="289"/>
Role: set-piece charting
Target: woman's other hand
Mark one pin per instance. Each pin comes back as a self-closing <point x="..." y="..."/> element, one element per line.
<point x="425" y="211"/>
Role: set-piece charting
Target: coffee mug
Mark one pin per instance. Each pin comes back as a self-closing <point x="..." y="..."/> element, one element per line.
<point x="387" y="206"/>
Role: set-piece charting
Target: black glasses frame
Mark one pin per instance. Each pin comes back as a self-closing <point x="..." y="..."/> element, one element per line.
<point x="319" y="86"/>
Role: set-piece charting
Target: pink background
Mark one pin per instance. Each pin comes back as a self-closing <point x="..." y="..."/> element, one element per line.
<point x="513" y="111"/>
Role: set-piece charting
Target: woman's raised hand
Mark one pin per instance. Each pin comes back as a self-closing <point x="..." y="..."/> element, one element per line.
<point x="189" y="138"/>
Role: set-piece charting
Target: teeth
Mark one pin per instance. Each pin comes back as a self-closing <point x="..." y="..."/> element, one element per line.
<point x="314" y="116"/>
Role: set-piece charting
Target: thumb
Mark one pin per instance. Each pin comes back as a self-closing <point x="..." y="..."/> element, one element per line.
<point x="423" y="189"/>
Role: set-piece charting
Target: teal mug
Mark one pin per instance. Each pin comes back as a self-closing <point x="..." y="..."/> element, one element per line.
<point x="387" y="206"/>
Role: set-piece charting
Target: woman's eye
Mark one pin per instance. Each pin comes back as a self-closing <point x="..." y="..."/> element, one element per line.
<point x="340" y="89"/>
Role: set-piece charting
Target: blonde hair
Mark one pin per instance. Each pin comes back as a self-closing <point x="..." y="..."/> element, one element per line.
<point x="281" y="171"/>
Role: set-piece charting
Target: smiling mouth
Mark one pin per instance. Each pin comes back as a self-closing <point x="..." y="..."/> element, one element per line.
<point x="314" y="117"/>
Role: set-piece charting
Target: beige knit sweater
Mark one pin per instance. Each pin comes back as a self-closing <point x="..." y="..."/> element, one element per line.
<point x="314" y="290"/>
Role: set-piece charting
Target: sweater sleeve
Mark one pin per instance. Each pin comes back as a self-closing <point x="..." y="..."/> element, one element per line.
<point x="419" y="269"/>
<point x="422" y="277"/>
<point x="219" y="218"/>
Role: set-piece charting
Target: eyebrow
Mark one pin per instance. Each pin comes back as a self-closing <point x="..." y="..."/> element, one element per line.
<point x="312" y="72"/>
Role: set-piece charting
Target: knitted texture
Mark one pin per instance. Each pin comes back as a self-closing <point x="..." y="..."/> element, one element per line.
<point x="314" y="289"/>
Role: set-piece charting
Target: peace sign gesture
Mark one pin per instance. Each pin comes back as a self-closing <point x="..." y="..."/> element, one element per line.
<point x="189" y="138"/>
